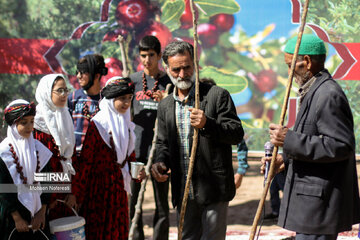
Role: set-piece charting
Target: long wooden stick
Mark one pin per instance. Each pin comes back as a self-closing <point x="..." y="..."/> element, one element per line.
<point x="282" y="117"/>
<point x="124" y="59"/>
<point x="140" y="199"/>
<point x="196" y="130"/>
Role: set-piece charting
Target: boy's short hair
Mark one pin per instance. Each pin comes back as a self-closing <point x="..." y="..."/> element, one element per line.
<point x="150" y="43"/>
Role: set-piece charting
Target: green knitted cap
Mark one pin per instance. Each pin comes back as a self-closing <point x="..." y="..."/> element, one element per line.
<point x="310" y="45"/>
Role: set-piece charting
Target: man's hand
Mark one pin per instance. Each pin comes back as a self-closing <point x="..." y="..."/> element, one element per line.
<point x="158" y="171"/>
<point x="279" y="163"/>
<point x="238" y="179"/>
<point x="197" y="118"/>
<point x="158" y="95"/>
<point x="277" y="134"/>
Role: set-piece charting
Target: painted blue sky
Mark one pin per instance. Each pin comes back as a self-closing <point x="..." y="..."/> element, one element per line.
<point x="255" y="15"/>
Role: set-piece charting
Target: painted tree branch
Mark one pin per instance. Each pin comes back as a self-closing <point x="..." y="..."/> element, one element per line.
<point x="124" y="58"/>
<point x="196" y="130"/>
<point x="281" y="122"/>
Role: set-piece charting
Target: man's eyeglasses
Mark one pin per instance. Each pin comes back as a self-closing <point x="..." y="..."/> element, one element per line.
<point x="62" y="91"/>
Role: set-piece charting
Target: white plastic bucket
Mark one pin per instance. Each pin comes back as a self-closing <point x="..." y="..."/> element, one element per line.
<point x="68" y="228"/>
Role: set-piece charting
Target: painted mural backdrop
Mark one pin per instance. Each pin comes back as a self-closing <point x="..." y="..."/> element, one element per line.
<point x="240" y="46"/>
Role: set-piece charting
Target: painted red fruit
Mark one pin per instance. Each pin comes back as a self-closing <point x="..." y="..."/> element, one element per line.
<point x="208" y="34"/>
<point x="112" y="36"/>
<point x="158" y="30"/>
<point x="223" y="22"/>
<point x="74" y="81"/>
<point x="186" y="17"/>
<point x="115" y="68"/>
<point x="265" y="80"/>
<point x="132" y="14"/>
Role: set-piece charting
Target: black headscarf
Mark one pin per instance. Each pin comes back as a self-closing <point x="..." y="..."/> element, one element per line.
<point x="16" y="111"/>
<point x="118" y="86"/>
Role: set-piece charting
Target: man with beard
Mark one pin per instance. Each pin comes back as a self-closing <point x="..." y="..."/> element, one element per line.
<point x="212" y="185"/>
<point x="321" y="196"/>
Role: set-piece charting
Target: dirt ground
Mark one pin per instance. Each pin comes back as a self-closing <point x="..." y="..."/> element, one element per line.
<point x="241" y="211"/>
<point x="242" y="208"/>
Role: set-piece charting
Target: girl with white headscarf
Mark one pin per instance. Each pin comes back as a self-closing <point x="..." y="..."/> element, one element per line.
<point x="21" y="157"/>
<point x="54" y="128"/>
<point x="104" y="181"/>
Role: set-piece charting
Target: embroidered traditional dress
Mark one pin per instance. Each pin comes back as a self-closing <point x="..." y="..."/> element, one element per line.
<point x="60" y="210"/>
<point x="100" y="190"/>
<point x="103" y="178"/>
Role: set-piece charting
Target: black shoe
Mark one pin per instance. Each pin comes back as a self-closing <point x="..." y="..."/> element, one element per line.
<point x="271" y="216"/>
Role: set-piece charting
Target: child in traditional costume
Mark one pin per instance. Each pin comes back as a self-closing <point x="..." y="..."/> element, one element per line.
<point x="22" y="156"/>
<point x="54" y="128"/>
<point x="102" y="185"/>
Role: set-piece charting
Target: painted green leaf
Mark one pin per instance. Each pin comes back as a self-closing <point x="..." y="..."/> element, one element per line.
<point x="213" y="7"/>
<point x="171" y="13"/>
<point x="244" y="62"/>
<point x="227" y="80"/>
<point x="160" y="2"/>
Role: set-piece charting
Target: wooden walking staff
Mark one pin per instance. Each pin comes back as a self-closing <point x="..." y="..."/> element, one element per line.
<point x="196" y="130"/>
<point x="140" y="199"/>
<point x="282" y="117"/>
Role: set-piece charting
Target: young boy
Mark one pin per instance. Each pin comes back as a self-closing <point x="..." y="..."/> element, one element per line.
<point x="149" y="89"/>
<point x="84" y="103"/>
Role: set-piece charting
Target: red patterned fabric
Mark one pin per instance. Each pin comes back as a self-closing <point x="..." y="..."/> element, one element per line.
<point x="99" y="188"/>
<point x="60" y="210"/>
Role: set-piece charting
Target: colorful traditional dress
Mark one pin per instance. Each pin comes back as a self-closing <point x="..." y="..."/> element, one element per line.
<point x="103" y="179"/>
<point x="60" y="210"/>
<point x="100" y="190"/>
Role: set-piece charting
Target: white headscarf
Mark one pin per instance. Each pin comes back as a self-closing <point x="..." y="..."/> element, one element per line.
<point x="107" y="120"/>
<point x="55" y="121"/>
<point x="25" y="149"/>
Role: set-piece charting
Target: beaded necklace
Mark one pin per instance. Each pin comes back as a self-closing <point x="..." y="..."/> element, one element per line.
<point x="19" y="168"/>
<point x="144" y="82"/>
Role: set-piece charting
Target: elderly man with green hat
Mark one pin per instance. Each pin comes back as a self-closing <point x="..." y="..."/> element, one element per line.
<point x="321" y="196"/>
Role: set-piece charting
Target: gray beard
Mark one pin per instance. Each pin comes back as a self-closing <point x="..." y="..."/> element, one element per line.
<point x="180" y="83"/>
<point x="302" y="80"/>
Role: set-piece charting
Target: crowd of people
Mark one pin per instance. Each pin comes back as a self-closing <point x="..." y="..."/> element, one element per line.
<point x="94" y="133"/>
